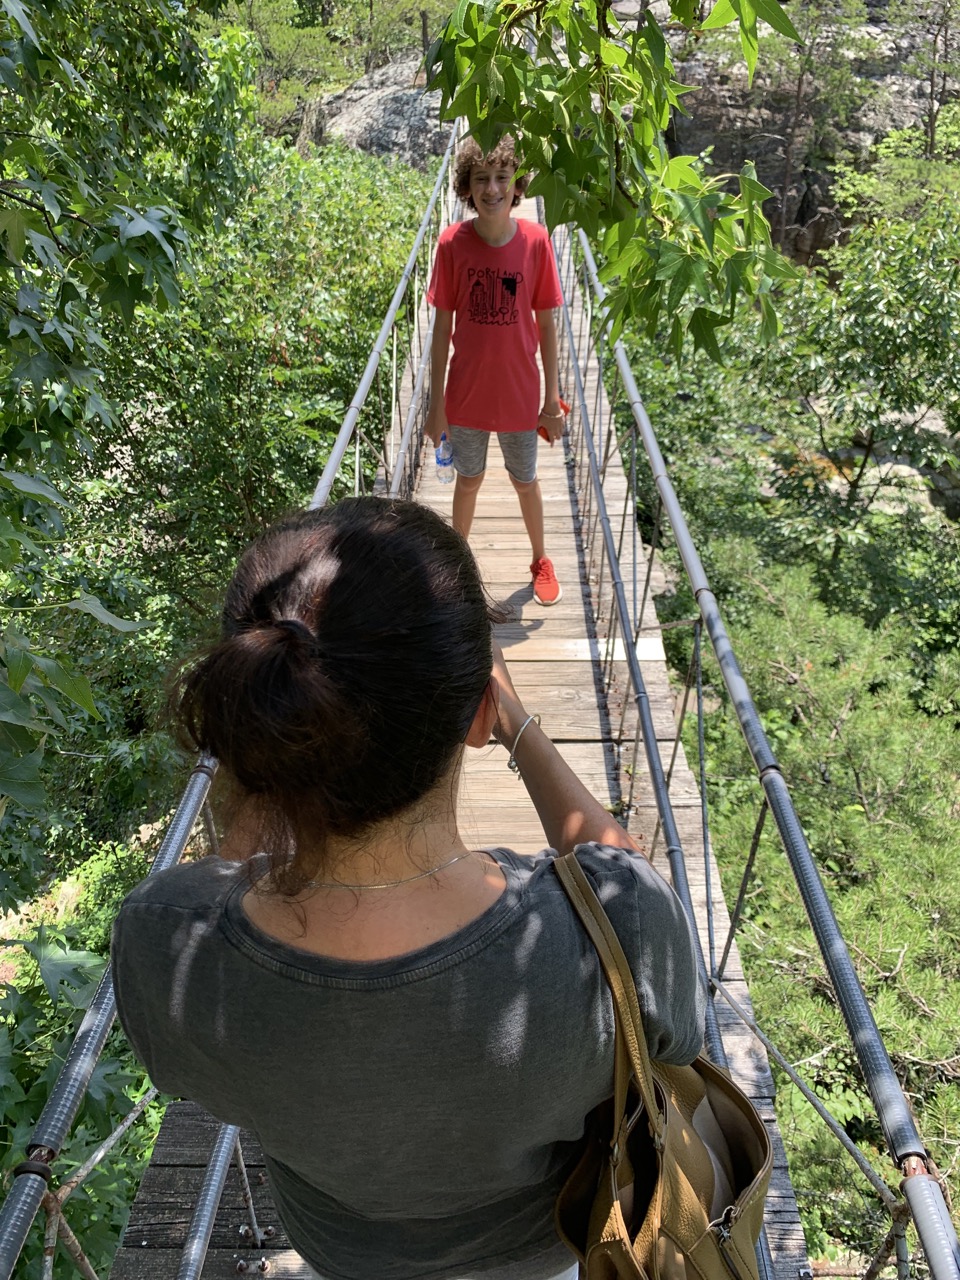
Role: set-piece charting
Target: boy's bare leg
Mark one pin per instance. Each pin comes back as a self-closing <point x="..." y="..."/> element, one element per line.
<point x="465" y="492"/>
<point x="531" y="508"/>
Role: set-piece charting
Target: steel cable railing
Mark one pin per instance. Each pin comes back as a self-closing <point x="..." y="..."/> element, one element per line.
<point x="413" y="358"/>
<point x="598" y="440"/>
<point x="647" y="733"/>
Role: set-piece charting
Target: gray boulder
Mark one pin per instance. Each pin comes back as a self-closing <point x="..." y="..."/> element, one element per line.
<point x="386" y="113"/>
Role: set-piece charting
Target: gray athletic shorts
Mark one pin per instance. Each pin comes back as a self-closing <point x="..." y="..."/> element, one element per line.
<point x="519" y="449"/>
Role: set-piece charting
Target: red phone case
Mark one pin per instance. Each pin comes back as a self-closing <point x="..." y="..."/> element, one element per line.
<point x="542" y="431"/>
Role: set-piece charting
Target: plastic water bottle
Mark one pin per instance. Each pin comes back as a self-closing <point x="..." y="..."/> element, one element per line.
<point x="445" y="460"/>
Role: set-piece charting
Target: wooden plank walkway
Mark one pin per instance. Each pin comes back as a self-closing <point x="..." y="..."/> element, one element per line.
<point x="553" y="656"/>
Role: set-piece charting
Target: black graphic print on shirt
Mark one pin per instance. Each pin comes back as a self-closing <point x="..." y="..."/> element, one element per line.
<point x="493" y="295"/>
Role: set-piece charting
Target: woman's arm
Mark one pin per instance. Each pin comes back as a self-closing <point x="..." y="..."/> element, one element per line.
<point x="569" y="813"/>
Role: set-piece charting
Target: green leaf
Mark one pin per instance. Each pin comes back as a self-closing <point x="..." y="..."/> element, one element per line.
<point x="75" y="687"/>
<point x="774" y="16"/>
<point x="143" y="224"/>
<point x="13" y="225"/>
<point x="681" y="171"/>
<point x="655" y="42"/>
<point x="698" y="212"/>
<point x="749" y="40"/>
<point x="19" y="666"/>
<point x="678" y="286"/>
<point x="17" y="741"/>
<point x="10" y="534"/>
<point x="122" y="295"/>
<point x="86" y="603"/>
<point x="721" y="15"/>
<point x="63" y="970"/>
<point x="703" y="325"/>
<point x="35" y="486"/>
<point x="14" y="709"/>
<point x="20" y="779"/>
<point x="750" y="186"/>
<point x="16" y="11"/>
<point x="770" y="325"/>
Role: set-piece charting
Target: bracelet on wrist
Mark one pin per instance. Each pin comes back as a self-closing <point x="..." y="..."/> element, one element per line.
<point x="512" y="762"/>
<point x="554" y="417"/>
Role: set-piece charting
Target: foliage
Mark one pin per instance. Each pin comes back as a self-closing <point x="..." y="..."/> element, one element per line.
<point x="588" y="99"/>
<point x="840" y="586"/>
<point x="119" y="133"/>
<point x="121" y="137"/>
<point x="40" y="1012"/>
<point x="934" y="61"/>
<point x="308" y="47"/>
<point x="236" y="399"/>
<point x="903" y="179"/>
<point x="820" y="75"/>
<point x="875" y="780"/>
<point x="226" y="410"/>
<point x="867" y="377"/>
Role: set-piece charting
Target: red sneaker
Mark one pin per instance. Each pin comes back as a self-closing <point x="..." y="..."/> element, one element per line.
<point x="546" y="588"/>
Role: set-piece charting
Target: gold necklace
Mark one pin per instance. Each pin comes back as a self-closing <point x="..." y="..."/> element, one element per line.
<point x="388" y="884"/>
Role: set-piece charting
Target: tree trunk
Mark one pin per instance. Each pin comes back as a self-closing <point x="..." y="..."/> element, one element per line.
<point x="788" y="154"/>
<point x="368" y="60"/>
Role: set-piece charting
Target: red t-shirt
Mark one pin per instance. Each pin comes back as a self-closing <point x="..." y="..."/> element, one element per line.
<point x="494" y="291"/>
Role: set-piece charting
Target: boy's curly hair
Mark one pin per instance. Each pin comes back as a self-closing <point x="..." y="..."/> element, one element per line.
<point x="502" y="156"/>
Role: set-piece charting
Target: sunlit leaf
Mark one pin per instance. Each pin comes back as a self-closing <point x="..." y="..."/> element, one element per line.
<point x="86" y="603"/>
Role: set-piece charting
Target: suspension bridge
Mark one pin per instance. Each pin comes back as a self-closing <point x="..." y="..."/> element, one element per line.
<point x="594" y="667"/>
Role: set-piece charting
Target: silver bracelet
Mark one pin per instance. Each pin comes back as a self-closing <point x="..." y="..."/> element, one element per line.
<point x="512" y="762"/>
<point x="554" y="417"/>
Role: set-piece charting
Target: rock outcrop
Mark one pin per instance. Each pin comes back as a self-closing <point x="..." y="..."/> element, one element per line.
<point x="761" y="122"/>
<point x="387" y="112"/>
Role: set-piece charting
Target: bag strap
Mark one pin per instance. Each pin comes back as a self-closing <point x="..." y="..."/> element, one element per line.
<point x="626" y="1005"/>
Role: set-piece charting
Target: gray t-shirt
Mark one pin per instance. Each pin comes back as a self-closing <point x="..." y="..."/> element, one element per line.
<point x="417" y="1114"/>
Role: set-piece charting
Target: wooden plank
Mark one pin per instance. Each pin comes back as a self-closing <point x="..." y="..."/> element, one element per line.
<point x="220" y="1264"/>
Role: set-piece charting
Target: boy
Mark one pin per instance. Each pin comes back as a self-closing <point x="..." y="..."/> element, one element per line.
<point x="497" y="276"/>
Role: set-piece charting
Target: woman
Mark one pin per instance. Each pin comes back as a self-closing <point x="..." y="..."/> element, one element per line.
<point x="414" y="1030"/>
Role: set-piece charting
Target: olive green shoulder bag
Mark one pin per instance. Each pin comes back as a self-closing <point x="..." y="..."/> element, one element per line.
<point x="672" y="1181"/>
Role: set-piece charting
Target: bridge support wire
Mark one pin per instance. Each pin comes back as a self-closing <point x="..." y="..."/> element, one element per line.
<point x="32" y="1175"/>
<point x="205" y="1210"/>
<point x="342" y="443"/>
<point x="904" y="1142"/>
<point x="713" y="1039"/>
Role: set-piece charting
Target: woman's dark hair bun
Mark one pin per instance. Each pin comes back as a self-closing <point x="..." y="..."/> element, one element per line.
<point x="294" y="627"/>
<point x="356" y="648"/>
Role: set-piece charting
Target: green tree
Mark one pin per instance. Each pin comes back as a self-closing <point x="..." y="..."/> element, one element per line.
<point x="933" y="58"/>
<point x="902" y="177"/>
<point x="820" y="76"/>
<point x="309" y="47"/>
<point x="588" y="98"/>
<point x="225" y="411"/>
<point x="868" y="378"/>
<point x="120" y="137"/>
